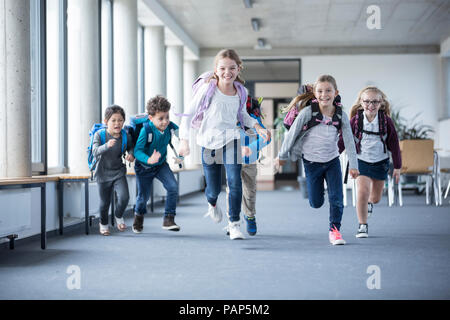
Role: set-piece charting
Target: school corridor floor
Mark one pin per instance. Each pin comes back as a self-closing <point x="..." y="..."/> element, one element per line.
<point x="407" y="256"/>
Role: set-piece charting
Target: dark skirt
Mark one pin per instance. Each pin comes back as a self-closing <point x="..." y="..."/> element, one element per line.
<point x="377" y="170"/>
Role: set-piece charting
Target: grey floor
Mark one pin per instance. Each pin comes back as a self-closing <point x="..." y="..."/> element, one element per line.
<point x="406" y="257"/>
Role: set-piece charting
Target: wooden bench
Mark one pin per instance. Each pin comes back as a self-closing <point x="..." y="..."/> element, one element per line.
<point x="30" y="182"/>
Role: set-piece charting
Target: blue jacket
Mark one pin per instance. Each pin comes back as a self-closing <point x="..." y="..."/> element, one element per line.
<point x="159" y="141"/>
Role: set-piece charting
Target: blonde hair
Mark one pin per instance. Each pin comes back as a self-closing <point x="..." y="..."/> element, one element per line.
<point x="300" y="101"/>
<point x="231" y="54"/>
<point x="385" y="106"/>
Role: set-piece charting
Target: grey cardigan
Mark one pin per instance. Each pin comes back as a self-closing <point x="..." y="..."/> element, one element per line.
<point x="292" y="144"/>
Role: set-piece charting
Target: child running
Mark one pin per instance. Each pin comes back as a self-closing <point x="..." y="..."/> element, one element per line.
<point x="110" y="172"/>
<point x="251" y="145"/>
<point x="313" y="137"/>
<point x="375" y="135"/>
<point x="151" y="153"/>
<point x="214" y="110"/>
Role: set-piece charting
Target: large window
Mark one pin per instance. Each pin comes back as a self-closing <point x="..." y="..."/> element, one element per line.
<point x="107" y="55"/>
<point x="56" y="84"/>
<point x="141" y="70"/>
<point x="37" y="48"/>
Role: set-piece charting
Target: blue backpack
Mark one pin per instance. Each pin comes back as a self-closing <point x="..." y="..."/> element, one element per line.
<point x="101" y="127"/>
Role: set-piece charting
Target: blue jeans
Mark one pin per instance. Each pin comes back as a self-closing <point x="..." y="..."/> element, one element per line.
<point x="212" y="161"/>
<point x="330" y="171"/>
<point x="144" y="178"/>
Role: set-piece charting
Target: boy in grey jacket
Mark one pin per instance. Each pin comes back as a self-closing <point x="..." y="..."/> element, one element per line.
<point x="109" y="148"/>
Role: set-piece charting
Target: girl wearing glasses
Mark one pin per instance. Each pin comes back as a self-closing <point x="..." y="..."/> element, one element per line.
<point x="375" y="135"/>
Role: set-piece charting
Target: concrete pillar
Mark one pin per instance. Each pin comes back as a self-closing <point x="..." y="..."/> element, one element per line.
<point x="175" y="81"/>
<point x="155" y="62"/>
<point x="15" y="95"/>
<point x="83" y="79"/>
<point x="125" y="55"/>
<point x="189" y="75"/>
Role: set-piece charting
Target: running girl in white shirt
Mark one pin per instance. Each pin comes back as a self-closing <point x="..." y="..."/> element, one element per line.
<point x="216" y="107"/>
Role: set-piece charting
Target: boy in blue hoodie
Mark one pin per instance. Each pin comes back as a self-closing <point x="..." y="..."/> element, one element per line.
<point x="151" y="153"/>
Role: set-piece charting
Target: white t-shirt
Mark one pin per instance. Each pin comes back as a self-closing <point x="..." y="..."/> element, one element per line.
<point x="218" y="126"/>
<point x="372" y="149"/>
<point x="320" y="143"/>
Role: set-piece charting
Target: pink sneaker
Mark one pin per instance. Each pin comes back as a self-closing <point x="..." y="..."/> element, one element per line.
<point x="335" y="237"/>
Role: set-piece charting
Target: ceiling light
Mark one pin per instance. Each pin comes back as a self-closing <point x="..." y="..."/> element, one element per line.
<point x="262" y="45"/>
<point x="261" y="42"/>
<point x="248" y="3"/>
<point x="255" y="24"/>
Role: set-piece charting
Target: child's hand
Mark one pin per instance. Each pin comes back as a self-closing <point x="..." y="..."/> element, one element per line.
<point x="154" y="158"/>
<point x="396" y="175"/>
<point x="183" y="150"/>
<point x="246" y="151"/>
<point x="129" y="158"/>
<point x="178" y="159"/>
<point x="264" y="133"/>
<point x="354" y="173"/>
<point x="278" y="164"/>
<point x="111" y="142"/>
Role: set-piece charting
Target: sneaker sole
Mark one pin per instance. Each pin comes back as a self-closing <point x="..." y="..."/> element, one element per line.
<point x="136" y="231"/>
<point x="172" y="228"/>
<point x="362" y="235"/>
<point x="338" y="242"/>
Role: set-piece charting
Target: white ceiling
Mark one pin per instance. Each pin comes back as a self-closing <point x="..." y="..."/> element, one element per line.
<point x="287" y="24"/>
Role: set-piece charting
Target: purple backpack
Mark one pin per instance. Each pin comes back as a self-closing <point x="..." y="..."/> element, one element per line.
<point x="207" y="97"/>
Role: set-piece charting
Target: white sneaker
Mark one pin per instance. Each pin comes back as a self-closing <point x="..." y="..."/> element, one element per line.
<point x="214" y="212"/>
<point x="235" y="230"/>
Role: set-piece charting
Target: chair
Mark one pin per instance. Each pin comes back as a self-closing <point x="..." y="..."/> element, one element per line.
<point x="420" y="160"/>
<point x="444" y="166"/>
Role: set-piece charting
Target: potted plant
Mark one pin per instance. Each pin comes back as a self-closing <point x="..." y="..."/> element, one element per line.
<point x="416" y="146"/>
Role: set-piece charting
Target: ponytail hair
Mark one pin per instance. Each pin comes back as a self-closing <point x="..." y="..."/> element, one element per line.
<point x="300" y="101"/>
<point x="231" y="54"/>
<point x="385" y="106"/>
<point x="307" y="93"/>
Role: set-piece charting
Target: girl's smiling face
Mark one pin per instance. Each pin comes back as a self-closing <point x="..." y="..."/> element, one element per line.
<point x="371" y="102"/>
<point x="114" y="124"/>
<point x="325" y="93"/>
<point x="227" y="70"/>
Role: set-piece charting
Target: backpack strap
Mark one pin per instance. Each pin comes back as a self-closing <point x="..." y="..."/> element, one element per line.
<point x="124" y="140"/>
<point x="102" y="133"/>
<point x="149" y="132"/>
<point x="317" y="117"/>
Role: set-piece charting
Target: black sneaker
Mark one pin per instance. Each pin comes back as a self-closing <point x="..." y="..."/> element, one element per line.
<point x="369" y="209"/>
<point x="169" y="223"/>
<point x="363" y="231"/>
<point x="138" y="224"/>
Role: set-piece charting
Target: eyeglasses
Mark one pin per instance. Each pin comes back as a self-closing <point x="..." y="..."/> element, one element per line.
<point x="369" y="102"/>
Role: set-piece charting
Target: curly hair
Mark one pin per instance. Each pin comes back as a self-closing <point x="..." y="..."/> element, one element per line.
<point x="157" y="104"/>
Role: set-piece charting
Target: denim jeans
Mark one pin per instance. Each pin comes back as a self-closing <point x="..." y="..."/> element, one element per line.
<point x="330" y="171"/>
<point x="212" y="161"/>
<point x="105" y="190"/>
<point x="144" y="178"/>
